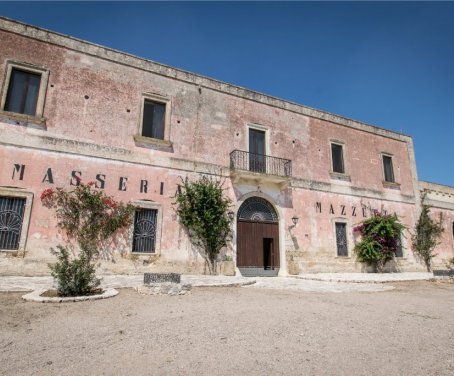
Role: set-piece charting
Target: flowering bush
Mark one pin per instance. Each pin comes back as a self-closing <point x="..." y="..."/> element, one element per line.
<point x="380" y="235"/>
<point x="89" y="217"/>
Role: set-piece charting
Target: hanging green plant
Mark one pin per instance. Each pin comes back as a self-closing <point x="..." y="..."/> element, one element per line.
<point x="380" y="239"/>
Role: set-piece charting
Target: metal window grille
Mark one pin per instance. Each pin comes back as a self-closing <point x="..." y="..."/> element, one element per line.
<point x="11" y="218"/>
<point x="144" y="236"/>
<point x="257" y="209"/>
<point x="399" y="249"/>
<point x="341" y="239"/>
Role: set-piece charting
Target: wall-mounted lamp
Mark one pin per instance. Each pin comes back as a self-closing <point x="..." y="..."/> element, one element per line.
<point x="295" y="220"/>
<point x="231" y="215"/>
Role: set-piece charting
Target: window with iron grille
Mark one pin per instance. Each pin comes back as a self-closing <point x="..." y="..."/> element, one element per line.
<point x="388" y="169"/>
<point x="11" y="219"/>
<point x="144" y="233"/>
<point x="337" y="155"/>
<point x="153" y="123"/>
<point x="399" y="248"/>
<point x="341" y="239"/>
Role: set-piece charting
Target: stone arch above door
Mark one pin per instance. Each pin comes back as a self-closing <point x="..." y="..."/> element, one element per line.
<point x="257" y="209"/>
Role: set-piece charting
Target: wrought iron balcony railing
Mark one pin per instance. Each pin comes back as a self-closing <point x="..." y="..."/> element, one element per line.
<point x="259" y="163"/>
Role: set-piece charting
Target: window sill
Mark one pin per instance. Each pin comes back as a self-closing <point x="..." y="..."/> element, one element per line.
<point x="391" y="185"/>
<point x="339" y="176"/>
<point x="23" y="120"/>
<point x="153" y="143"/>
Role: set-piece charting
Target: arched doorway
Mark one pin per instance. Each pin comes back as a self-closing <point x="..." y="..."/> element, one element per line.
<point x="257" y="238"/>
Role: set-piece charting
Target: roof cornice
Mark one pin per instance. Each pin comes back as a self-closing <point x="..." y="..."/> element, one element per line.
<point x="123" y="58"/>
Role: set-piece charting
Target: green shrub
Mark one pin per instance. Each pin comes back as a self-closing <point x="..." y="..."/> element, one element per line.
<point x="202" y="209"/>
<point x="426" y="235"/>
<point x="74" y="277"/>
<point x="380" y="237"/>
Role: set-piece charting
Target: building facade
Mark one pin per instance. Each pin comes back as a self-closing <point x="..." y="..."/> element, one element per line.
<point x="300" y="179"/>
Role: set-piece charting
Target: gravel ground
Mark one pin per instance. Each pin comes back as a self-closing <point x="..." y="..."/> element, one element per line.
<point x="233" y="331"/>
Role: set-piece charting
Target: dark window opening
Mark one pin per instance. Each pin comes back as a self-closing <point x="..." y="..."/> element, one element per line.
<point x="257" y="159"/>
<point x="144" y="235"/>
<point x="388" y="168"/>
<point x="338" y="158"/>
<point x="11" y="218"/>
<point x="341" y="239"/>
<point x="153" y="119"/>
<point x="399" y="249"/>
<point x="23" y="91"/>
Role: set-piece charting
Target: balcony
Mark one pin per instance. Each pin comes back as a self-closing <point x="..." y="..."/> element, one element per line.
<point x="260" y="168"/>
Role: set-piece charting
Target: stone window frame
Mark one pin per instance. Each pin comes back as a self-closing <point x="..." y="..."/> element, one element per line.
<point x="337" y="175"/>
<point x="143" y="141"/>
<point x="38" y="120"/>
<point x="350" y="244"/>
<point x="153" y="205"/>
<point x="389" y="184"/>
<point x="259" y="127"/>
<point x="28" y="196"/>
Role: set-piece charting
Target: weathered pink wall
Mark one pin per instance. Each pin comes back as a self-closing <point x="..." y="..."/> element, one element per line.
<point x="206" y="125"/>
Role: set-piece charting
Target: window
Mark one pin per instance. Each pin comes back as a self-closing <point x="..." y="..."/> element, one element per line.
<point x="11" y="219"/>
<point x="154" y="123"/>
<point x="144" y="233"/>
<point x="15" y="211"/>
<point x="399" y="248"/>
<point x="388" y="169"/>
<point x="24" y="89"/>
<point x="257" y="151"/>
<point x="341" y="239"/>
<point x="153" y="119"/>
<point x="337" y="155"/>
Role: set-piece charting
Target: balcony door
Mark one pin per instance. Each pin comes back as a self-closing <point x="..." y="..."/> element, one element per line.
<point x="257" y="159"/>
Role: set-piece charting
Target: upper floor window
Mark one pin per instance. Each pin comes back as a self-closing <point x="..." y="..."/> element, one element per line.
<point x="388" y="169"/>
<point x="154" y="122"/>
<point x="153" y="119"/>
<point x="24" y="89"/>
<point x="337" y="157"/>
<point x="23" y="92"/>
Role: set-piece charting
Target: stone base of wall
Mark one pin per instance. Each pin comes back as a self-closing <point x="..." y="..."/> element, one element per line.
<point x="31" y="267"/>
<point x="297" y="265"/>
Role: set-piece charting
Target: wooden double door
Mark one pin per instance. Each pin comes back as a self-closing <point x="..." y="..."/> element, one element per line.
<point x="257" y="244"/>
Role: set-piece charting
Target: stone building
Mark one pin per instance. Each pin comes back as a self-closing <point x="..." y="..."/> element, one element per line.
<point x="299" y="178"/>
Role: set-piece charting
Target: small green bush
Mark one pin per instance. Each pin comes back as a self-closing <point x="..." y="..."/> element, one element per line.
<point x="74" y="277"/>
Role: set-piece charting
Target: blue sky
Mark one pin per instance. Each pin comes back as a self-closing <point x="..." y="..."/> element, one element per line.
<point x="387" y="64"/>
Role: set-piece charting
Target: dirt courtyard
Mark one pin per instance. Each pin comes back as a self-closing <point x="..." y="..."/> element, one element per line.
<point x="234" y="331"/>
